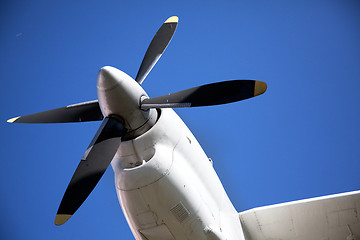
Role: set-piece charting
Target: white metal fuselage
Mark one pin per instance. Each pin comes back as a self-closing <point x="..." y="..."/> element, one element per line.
<point x="167" y="186"/>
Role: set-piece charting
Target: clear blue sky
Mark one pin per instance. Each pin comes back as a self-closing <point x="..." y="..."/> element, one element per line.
<point x="300" y="139"/>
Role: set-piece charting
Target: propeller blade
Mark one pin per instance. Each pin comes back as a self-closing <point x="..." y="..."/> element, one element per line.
<point x="156" y="48"/>
<point x="207" y="95"/>
<point x="92" y="166"/>
<point x="80" y="112"/>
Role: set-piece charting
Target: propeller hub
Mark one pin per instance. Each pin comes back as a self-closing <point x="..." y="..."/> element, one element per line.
<point x="120" y="95"/>
<point x="108" y="78"/>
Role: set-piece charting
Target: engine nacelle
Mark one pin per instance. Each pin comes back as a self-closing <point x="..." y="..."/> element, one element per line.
<point x="159" y="178"/>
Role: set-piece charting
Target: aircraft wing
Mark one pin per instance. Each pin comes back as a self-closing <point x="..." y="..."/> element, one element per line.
<point x="333" y="217"/>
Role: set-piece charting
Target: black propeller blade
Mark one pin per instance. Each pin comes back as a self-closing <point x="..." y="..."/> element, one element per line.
<point x="156" y="48"/>
<point x="92" y="166"/>
<point x="81" y="112"/>
<point x="207" y="95"/>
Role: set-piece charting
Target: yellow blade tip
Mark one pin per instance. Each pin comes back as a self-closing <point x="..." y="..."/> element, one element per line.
<point x="60" y="219"/>
<point x="12" y="119"/>
<point x="173" y="19"/>
<point x="260" y="88"/>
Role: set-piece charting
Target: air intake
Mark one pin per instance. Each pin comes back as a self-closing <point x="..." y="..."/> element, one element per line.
<point x="180" y="212"/>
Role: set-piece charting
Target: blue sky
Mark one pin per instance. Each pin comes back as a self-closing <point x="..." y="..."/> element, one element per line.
<point x="300" y="139"/>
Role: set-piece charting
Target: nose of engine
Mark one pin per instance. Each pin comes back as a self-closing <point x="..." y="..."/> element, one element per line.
<point x="121" y="95"/>
<point x="109" y="77"/>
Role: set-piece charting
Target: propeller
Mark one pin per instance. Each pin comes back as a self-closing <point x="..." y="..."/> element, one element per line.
<point x="208" y="95"/>
<point x="156" y="48"/>
<point x="107" y="139"/>
<point x="92" y="166"/>
<point x="80" y="112"/>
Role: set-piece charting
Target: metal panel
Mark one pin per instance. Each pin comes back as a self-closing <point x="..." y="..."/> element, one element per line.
<point x="160" y="232"/>
<point x="333" y="217"/>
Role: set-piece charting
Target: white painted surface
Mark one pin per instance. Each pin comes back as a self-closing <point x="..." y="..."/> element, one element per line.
<point x="168" y="189"/>
<point x="177" y="188"/>
<point x="334" y="217"/>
